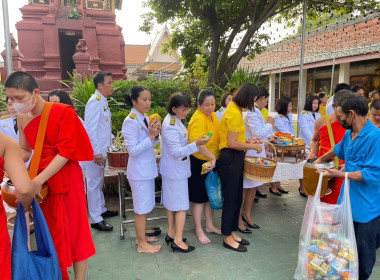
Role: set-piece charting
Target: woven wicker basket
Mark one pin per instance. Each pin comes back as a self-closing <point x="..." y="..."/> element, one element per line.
<point x="260" y="172"/>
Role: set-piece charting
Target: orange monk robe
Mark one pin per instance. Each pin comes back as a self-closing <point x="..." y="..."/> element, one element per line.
<point x="65" y="207"/>
<point x="324" y="147"/>
<point x="5" y="242"/>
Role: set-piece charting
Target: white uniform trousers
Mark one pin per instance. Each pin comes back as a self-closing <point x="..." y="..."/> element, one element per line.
<point x="143" y="195"/>
<point x="95" y="196"/>
<point x="175" y="194"/>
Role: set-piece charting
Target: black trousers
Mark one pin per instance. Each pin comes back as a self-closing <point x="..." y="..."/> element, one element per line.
<point x="230" y="170"/>
<point x="367" y="241"/>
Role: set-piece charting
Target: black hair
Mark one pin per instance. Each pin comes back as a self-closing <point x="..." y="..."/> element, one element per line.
<point x="63" y="96"/>
<point x="245" y="96"/>
<point x="21" y="80"/>
<point x="203" y="94"/>
<point x="375" y="104"/>
<point x="176" y="100"/>
<point x="133" y="95"/>
<point x="340" y="96"/>
<point x="224" y="97"/>
<point x="341" y="86"/>
<point x="321" y="95"/>
<point x="356" y="103"/>
<point x="309" y="103"/>
<point x="282" y="105"/>
<point x="262" y="92"/>
<point x="355" y="88"/>
<point x="99" y="78"/>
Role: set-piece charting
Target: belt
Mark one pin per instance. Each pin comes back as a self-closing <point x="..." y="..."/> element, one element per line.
<point x="184" y="158"/>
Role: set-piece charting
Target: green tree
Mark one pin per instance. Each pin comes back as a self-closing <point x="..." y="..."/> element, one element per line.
<point x="210" y="27"/>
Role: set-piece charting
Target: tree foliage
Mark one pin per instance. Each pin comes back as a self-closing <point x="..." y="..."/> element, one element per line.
<point x="210" y="27"/>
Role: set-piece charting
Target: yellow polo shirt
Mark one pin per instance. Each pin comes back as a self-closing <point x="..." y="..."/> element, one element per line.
<point x="322" y="110"/>
<point x="232" y="121"/>
<point x="199" y="125"/>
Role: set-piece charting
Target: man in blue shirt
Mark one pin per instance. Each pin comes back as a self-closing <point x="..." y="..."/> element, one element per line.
<point x="360" y="148"/>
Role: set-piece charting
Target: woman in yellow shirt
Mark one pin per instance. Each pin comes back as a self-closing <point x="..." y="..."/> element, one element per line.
<point x="203" y="120"/>
<point x="322" y="107"/>
<point x="231" y="162"/>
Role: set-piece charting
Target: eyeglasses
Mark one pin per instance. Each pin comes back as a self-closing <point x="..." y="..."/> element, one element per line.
<point x="184" y="110"/>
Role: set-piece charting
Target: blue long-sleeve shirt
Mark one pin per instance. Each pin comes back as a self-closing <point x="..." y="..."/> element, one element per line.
<point x="362" y="154"/>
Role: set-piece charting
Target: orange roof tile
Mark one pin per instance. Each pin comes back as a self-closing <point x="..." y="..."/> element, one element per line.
<point x="164" y="66"/>
<point x="136" y="54"/>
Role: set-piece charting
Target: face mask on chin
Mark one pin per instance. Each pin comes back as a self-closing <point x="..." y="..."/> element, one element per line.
<point x="345" y="125"/>
<point x="24" y="107"/>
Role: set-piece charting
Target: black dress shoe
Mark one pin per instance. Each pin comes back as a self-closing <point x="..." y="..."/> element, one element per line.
<point x="176" y="247"/>
<point x="154" y="233"/>
<point x="102" y="226"/>
<point x="275" y="193"/>
<point x="244" y="242"/>
<point x="244" y="230"/>
<point x="109" y="214"/>
<point x="240" y="248"/>
<point x="282" y="191"/>
<point x="260" y="194"/>
<point x="302" y="193"/>
<point x="248" y="224"/>
<point x="168" y="239"/>
<point x="256" y="199"/>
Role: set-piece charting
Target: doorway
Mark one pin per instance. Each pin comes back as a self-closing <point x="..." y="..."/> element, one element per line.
<point x="68" y="39"/>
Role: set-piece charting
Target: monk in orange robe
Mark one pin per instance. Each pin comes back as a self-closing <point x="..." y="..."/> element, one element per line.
<point x="66" y="142"/>
<point x="320" y="144"/>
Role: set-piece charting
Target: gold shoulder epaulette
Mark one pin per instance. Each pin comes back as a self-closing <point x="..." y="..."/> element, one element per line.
<point x="132" y="116"/>
<point x="5" y="117"/>
<point x="220" y="110"/>
<point x="281" y="115"/>
<point x="98" y="97"/>
<point x="304" y="112"/>
<point x="172" y="121"/>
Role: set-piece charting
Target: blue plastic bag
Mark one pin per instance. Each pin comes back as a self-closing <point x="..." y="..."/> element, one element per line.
<point x="214" y="190"/>
<point x="40" y="264"/>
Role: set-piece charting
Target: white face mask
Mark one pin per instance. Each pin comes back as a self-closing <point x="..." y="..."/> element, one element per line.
<point x="24" y="107"/>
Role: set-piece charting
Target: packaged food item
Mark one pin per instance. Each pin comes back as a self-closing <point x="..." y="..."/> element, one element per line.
<point x="154" y="118"/>
<point x="259" y="160"/>
<point x="208" y="135"/>
<point x="204" y="167"/>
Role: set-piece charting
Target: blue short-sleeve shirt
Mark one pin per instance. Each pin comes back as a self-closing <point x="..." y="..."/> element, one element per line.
<point x="363" y="153"/>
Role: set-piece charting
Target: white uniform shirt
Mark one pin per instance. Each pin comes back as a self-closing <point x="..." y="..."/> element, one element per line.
<point x="329" y="108"/>
<point x="255" y="126"/>
<point x="306" y="123"/>
<point x="7" y="124"/>
<point x="141" y="163"/>
<point x="283" y="124"/>
<point x="98" y="123"/>
<point x="220" y="113"/>
<point x="175" y="158"/>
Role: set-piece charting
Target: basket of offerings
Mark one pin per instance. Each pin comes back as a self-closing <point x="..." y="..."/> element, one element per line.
<point x="117" y="153"/>
<point x="8" y="193"/>
<point x="259" y="168"/>
<point x="286" y="142"/>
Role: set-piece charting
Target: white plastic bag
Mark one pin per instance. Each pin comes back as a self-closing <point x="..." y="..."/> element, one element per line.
<point x="327" y="244"/>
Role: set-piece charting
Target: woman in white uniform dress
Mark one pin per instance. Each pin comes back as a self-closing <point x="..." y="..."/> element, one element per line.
<point x="140" y="136"/>
<point x="175" y="168"/>
<point x="255" y="126"/>
<point x="307" y="118"/>
<point x="224" y="101"/>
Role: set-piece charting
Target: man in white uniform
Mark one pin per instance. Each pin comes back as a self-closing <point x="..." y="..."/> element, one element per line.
<point x="98" y="127"/>
<point x="8" y="123"/>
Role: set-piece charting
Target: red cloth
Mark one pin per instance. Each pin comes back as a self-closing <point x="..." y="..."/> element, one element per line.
<point x="65" y="207"/>
<point x="5" y="241"/>
<point x="324" y="147"/>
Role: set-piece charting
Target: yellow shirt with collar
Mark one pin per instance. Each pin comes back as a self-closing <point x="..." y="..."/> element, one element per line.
<point x="232" y="121"/>
<point x="200" y="125"/>
<point x="322" y="110"/>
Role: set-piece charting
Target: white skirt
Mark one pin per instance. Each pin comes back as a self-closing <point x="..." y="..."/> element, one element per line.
<point x="175" y="194"/>
<point x="143" y="195"/>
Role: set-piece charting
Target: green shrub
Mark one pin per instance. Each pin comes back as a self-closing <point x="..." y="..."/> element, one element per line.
<point x="3" y="105"/>
<point x="118" y="117"/>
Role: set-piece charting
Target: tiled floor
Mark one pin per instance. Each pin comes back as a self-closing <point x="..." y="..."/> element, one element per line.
<point x="272" y="255"/>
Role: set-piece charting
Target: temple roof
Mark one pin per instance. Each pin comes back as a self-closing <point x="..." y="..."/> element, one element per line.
<point x="136" y="54"/>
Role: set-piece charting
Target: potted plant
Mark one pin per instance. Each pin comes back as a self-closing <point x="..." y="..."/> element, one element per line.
<point x="117" y="153"/>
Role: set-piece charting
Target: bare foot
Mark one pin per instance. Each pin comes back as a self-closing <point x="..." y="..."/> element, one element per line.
<point x="148" y="248"/>
<point x="202" y="237"/>
<point x="149" y="239"/>
<point x="213" y="229"/>
<point x="231" y="241"/>
<point x="235" y="237"/>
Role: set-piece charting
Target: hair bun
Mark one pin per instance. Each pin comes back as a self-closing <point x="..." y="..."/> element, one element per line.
<point x="128" y="100"/>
